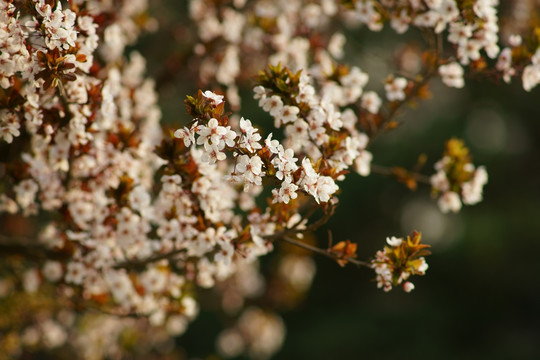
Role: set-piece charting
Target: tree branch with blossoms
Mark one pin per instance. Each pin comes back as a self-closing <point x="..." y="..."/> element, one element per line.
<point x="126" y="217"/>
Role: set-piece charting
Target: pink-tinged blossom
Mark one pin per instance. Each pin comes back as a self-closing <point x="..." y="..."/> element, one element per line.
<point x="382" y="271"/>
<point x="213" y="135"/>
<point x="75" y="273"/>
<point x="272" y="144"/>
<point x="273" y="105"/>
<point x="408" y="286"/>
<point x="251" y="170"/>
<point x="285" y="163"/>
<point x="504" y="64"/>
<point x="213" y="154"/>
<point x="171" y="183"/>
<point x="306" y="94"/>
<point x="288" y="114"/>
<point x="449" y="10"/>
<point x="468" y="51"/>
<point x="187" y="134"/>
<point x="460" y="33"/>
<point x="286" y="192"/>
<point x="320" y="187"/>
<point x="250" y="137"/>
<point x="9" y="126"/>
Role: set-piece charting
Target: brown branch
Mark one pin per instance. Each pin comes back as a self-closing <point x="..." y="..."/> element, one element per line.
<point x="62" y="95"/>
<point x="388" y="171"/>
<point x="317" y="224"/>
<point x="424" y="79"/>
<point x="140" y="264"/>
<point x="294" y="229"/>
<point x="110" y="312"/>
<point x="320" y="251"/>
<point x="28" y="248"/>
<point x="31" y="250"/>
<point x="37" y="252"/>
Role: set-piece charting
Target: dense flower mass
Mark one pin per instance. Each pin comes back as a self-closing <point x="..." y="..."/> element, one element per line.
<point x="133" y="218"/>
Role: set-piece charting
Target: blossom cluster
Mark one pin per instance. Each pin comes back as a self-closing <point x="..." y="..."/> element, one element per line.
<point x="457" y="179"/>
<point x="400" y="259"/>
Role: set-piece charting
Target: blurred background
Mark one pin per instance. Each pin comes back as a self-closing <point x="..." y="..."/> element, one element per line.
<point x="480" y="297"/>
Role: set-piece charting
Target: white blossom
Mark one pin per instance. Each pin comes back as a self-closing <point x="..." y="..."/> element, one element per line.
<point x="449" y="201"/>
<point x="215" y="98"/>
<point x="452" y="75"/>
<point x="395" y="89"/>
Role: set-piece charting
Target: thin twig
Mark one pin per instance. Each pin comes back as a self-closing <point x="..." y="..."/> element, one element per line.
<point x="65" y="102"/>
<point x="388" y="171"/>
<point x="136" y="264"/>
<point x="425" y="77"/>
<point x="294" y="229"/>
<point x="29" y="248"/>
<point x="317" y="250"/>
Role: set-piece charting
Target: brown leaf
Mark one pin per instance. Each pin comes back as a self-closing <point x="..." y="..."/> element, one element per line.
<point x="344" y="250"/>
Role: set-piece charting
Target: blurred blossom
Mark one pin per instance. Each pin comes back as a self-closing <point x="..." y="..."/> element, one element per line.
<point x="176" y="325"/>
<point x="230" y="343"/>
<point x="30" y="336"/>
<point x="53" y="334"/>
<point x="298" y="270"/>
<point x="31" y="281"/>
<point x="258" y="333"/>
